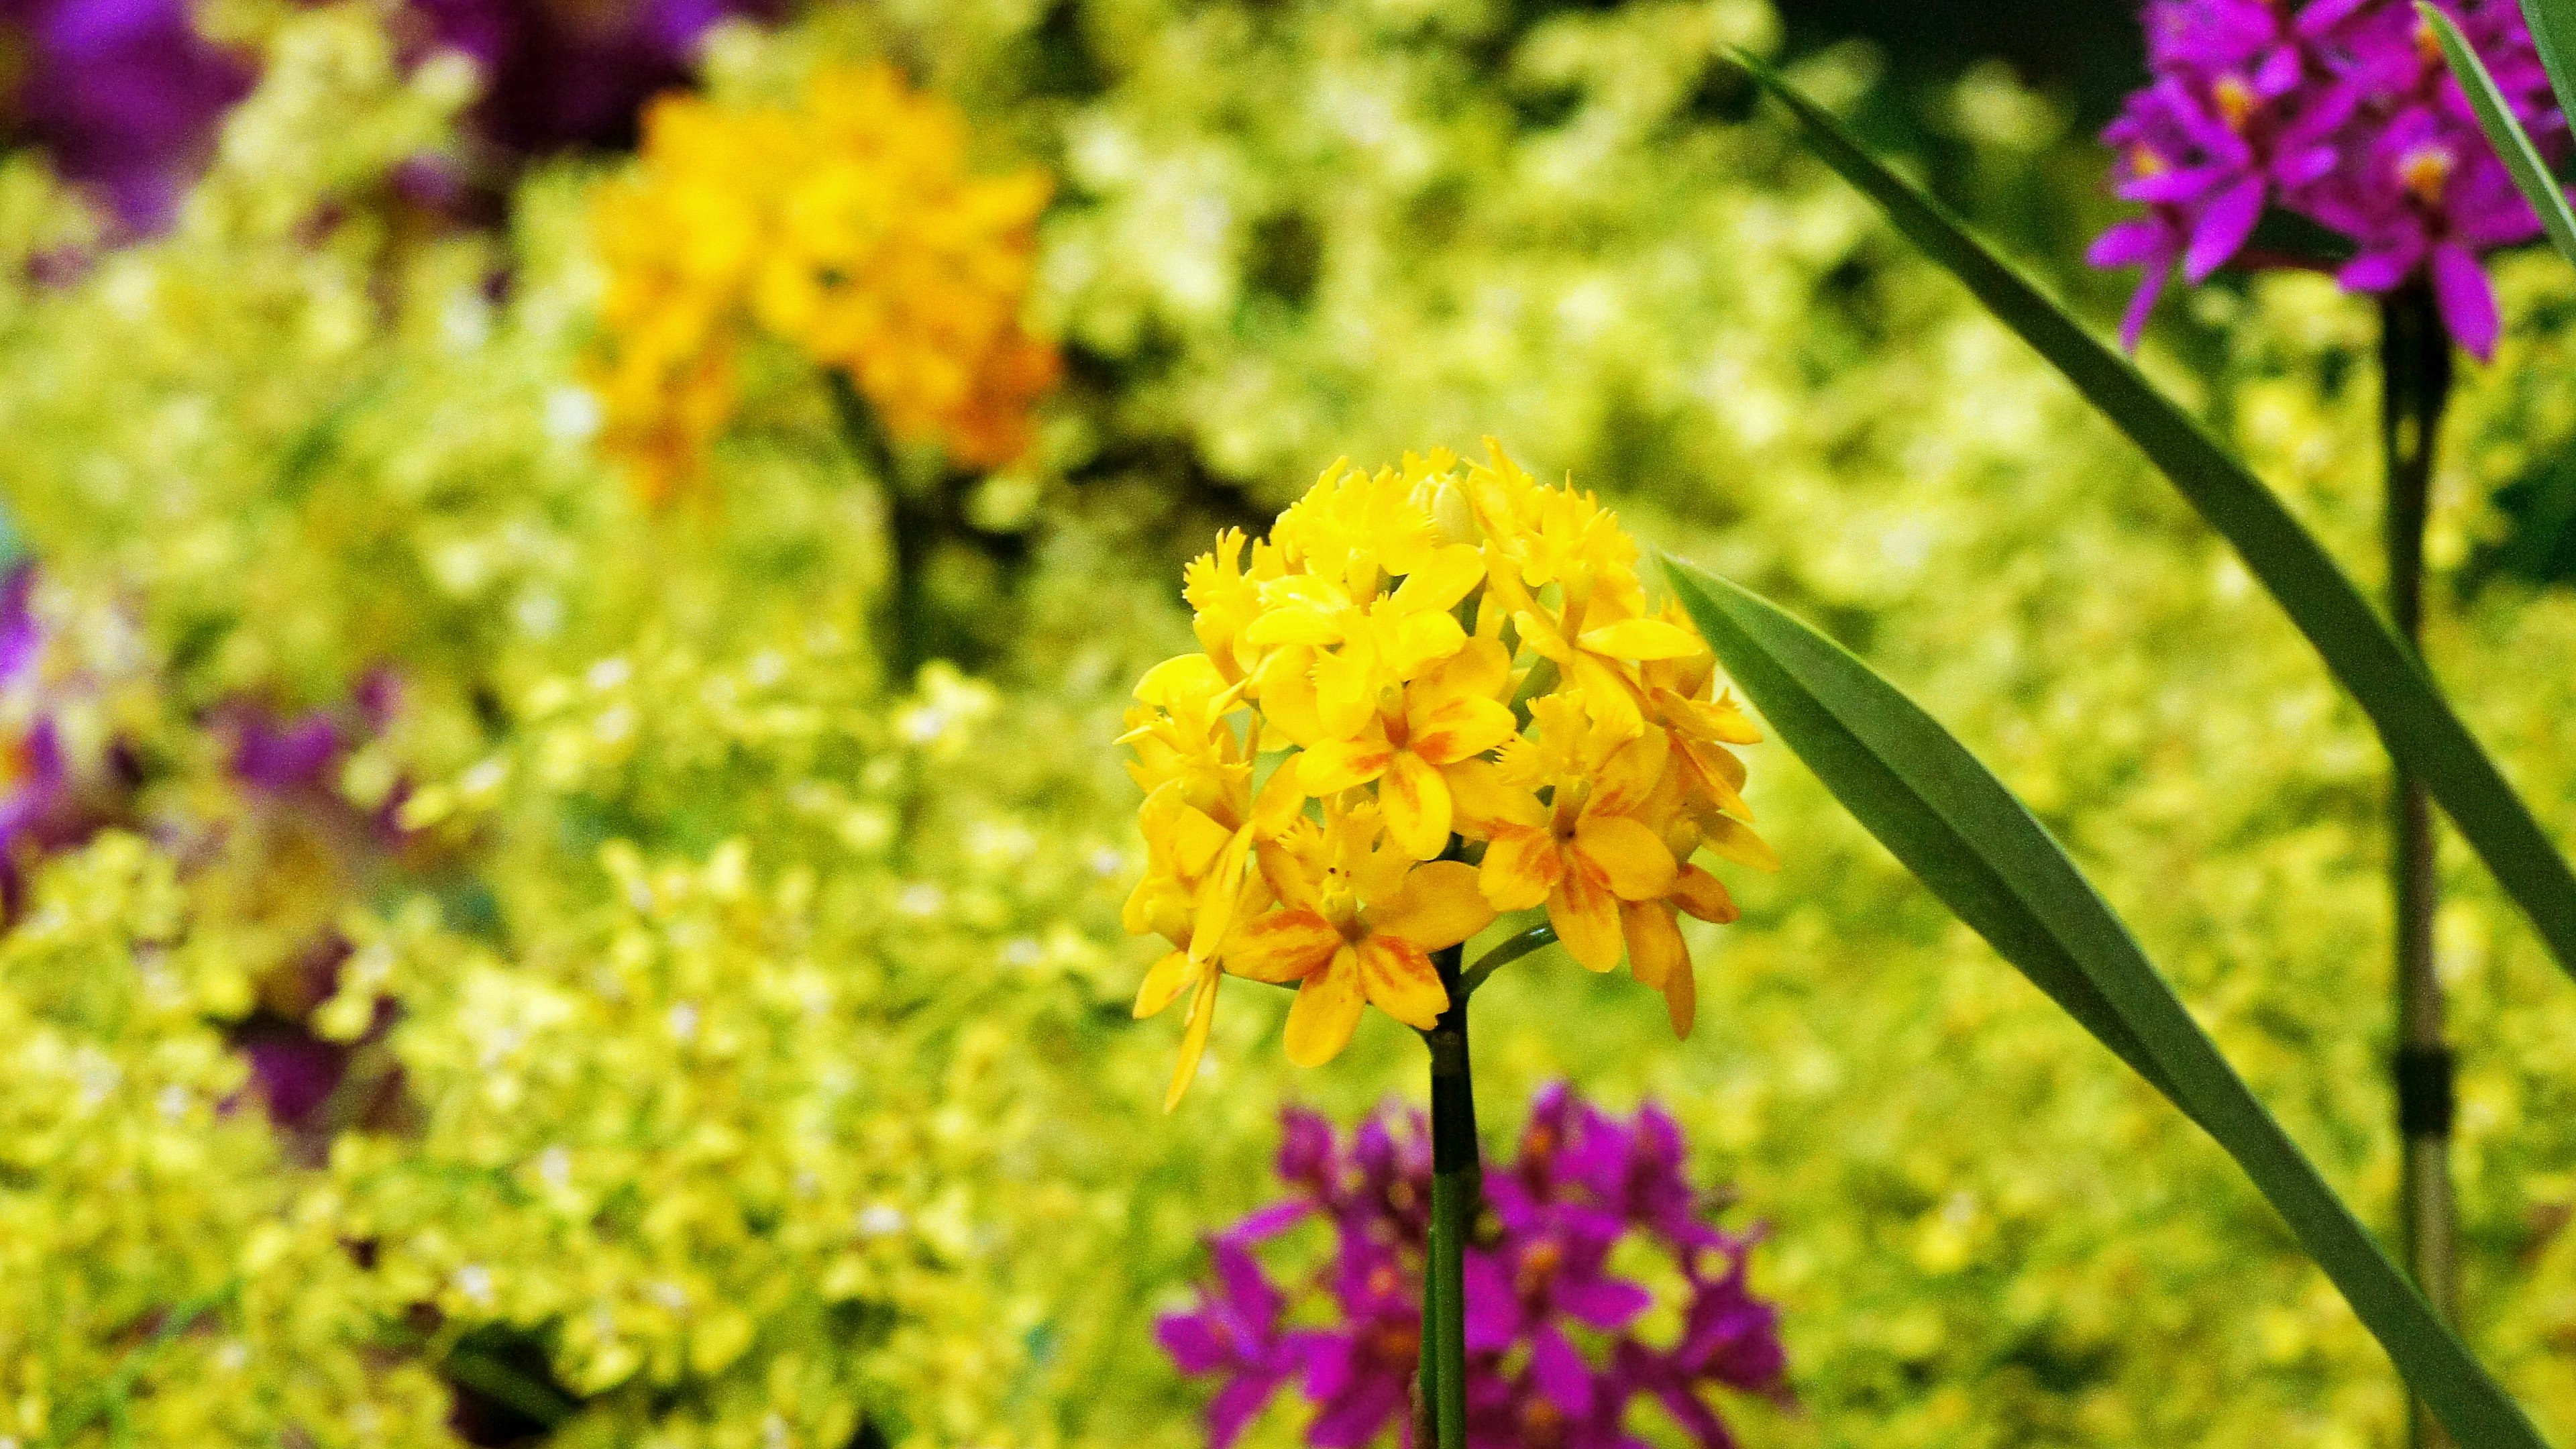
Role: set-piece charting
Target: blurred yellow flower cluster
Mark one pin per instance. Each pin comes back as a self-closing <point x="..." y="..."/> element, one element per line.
<point x="1461" y="677"/>
<point x="848" y="227"/>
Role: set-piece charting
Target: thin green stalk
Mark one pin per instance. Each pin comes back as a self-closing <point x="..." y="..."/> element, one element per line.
<point x="2415" y="364"/>
<point x="1535" y="938"/>
<point x="903" y="626"/>
<point x="1454" y="1190"/>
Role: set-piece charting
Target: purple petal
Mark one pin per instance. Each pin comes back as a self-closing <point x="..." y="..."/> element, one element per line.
<point x="2223" y="228"/>
<point x="1235" y="1405"/>
<point x="2142" y="303"/>
<point x="1271" y="1221"/>
<point x="1560" y="1372"/>
<point x="1358" y="1417"/>
<point x="2467" y="303"/>
<point x="1193" y="1342"/>
<point x="1604" y="1303"/>
<point x="2381" y="269"/>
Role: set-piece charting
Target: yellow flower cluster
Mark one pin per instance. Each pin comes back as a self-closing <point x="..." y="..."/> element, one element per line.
<point x="1432" y="695"/>
<point x="849" y="228"/>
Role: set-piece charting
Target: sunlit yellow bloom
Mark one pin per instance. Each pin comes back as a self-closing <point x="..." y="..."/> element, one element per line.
<point x="1588" y="848"/>
<point x="1358" y="921"/>
<point x="1458" y="700"/>
<point x="849" y="228"/>
<point x="1448" y="717"/>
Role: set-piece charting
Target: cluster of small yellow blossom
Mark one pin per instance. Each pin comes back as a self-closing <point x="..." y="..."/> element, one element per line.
<point x="848" y="227"/>
<point x="1432" y="695"/>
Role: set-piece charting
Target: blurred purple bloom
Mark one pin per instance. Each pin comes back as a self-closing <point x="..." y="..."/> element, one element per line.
<point x="1539" y="1285"/>
<point x="295" y="1071"/>
<point x="127" y="95"/>
<point x="1235" y="1333"/>
<point x="280" y="756"/>
<point x="124" y="94"/>
<point x="568" y="74"/>
<point x="2340" y="111"/>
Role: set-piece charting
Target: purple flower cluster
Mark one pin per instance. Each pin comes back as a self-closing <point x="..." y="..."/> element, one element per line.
<point x="1540" y="1286"/>
<point x="126" y="95"/>
<point x="2340" y="111"/>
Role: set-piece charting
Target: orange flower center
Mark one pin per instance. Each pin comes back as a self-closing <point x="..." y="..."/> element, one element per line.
<point x="2235" y="100"/>
<point x="2426" y="171"/>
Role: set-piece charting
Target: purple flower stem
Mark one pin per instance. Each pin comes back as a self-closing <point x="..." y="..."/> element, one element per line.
<point x="1455" y="1189"/>
<point x="2415" y="370"/>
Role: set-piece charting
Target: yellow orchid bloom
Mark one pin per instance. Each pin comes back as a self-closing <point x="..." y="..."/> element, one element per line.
<point x="1335" y="660"/>
<point x="1588" y="849"/>
<point x="1351" y="528"/>
<point x="1225" y="596"/>
<point x="1374" y="643"/>
<point x="1358" y="921"/>
<point x="1449" y="716"/>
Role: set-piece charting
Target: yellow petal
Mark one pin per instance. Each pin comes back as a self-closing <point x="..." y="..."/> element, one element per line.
<point x="1717" y="772"/>
<point x="1703" y="895"/>
<point x="1281" y="947"/>
<point x="1419" y="641"/>
<point x="1631" y="858"/>
<point x="1346" y="686"/>
<point x="1300" y="623"/>
<point x="1640" y="639"/>
<point x="1734" y="840"/>
<point x="1481" y="668"/>
<point x="1326" y="1012"/>
<point x="1179" y="681"/>
<point x="1609" y="695"/>
<point x="1457" y="727"/>
<point x="1539" y="632"/>
<point x="1287" y="685"/>
<point x="1586" y="917"/>
<point x="1629" y="777"/>
<point x="1416" y="802"/>
<point x="1659" y="958"/>
<point x="1218" y="896"/>
<point x="1654" y="942"/>
<point x="1443" y="579"/>
<point x="1522" y="864"/>
<point x="1721" y="721"/>
<point x="1290" y="874"/>
<point x="1164" y="983"/>
<point x="1483" y="800"/>
<point x="1402" y="982"/>
<point x="1280" y="804"/>
<point x="1194" y="1040"/>
<point x="1331" y="766"/>
<point x="1438" y="906"/>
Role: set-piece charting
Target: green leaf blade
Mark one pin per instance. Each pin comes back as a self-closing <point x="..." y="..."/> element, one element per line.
<point x="2511" y="141"/>
<point x="2423" y="734"/>
<point x="2553" y="33"/>
<point x="1979" y="849"/>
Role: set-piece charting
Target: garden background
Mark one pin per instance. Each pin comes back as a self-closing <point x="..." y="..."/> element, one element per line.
<point x="504" y="958"/>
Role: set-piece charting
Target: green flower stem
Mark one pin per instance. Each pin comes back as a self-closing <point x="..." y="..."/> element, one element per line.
<point x="903" y="628"/>
<point x="1454" y="1193"/>
<point x="2415" y="364"/>
<point x="1533" y="939"/>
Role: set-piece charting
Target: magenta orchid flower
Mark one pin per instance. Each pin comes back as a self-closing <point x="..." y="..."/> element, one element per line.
<point x="1553" y="1361"/>
<point x="2340" y="111"/>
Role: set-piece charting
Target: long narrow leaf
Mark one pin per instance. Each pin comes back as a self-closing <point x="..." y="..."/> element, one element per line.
<point x="2505" y="133"/>
<point x="1981" y="851"/>
<point x="2553" y="30"/>
<point x="2422" y="732"/>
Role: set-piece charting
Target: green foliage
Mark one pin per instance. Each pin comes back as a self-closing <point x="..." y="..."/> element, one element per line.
<point x="1965" y="836"/>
